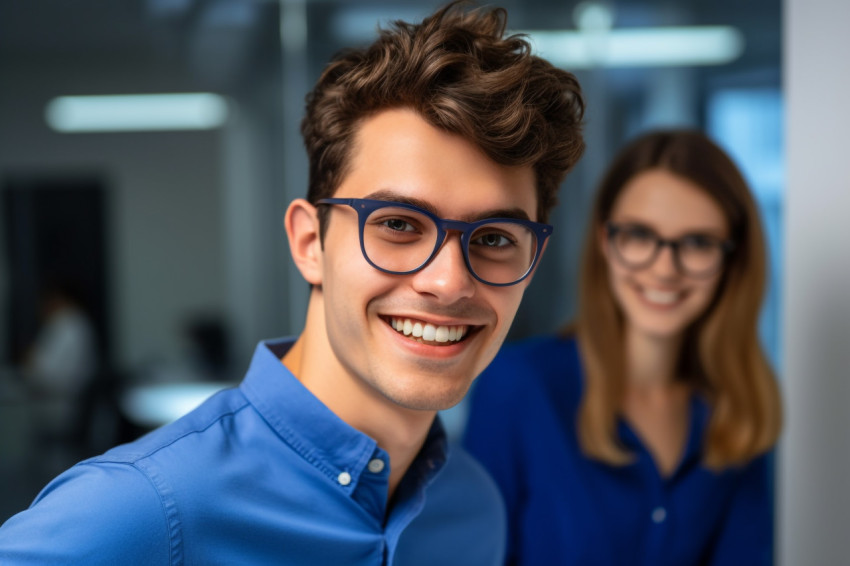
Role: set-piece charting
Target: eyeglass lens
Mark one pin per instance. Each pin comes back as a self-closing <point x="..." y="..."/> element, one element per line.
<point x="638" y="247"/>
<point x="402" y="240"/>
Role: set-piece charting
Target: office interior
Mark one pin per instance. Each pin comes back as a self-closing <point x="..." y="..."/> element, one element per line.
<point x="176" y="235"/>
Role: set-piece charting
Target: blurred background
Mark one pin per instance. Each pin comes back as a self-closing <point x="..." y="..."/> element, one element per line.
<point x="163" y="241"/>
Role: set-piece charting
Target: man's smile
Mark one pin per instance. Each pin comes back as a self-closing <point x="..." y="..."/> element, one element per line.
<point x="429" y="333"/>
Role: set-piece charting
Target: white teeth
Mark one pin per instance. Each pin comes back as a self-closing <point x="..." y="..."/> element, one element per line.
<point x="426" y="331"/>
<point x="441" y="334"/>
<point x="661" y="297"/>
<point x="429" y="333"/>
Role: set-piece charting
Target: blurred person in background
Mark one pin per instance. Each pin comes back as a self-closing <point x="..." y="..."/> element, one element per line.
<point x="640" y="434"/>
<point x="64" y="359"/>
<point x="435" y="155"/>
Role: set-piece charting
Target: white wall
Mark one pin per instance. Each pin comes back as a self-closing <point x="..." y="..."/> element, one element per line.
<point x="814" y="495"/>
<point x="165" y="228"/>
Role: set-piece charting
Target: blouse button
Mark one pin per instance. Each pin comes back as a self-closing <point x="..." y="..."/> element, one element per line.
<point x="659" y="514"/>
<point x="344" y="478"/>
<point x="376" y="465"/>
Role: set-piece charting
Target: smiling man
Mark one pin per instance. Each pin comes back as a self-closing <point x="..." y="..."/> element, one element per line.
<point x="370" y="348"/>
<point x="435" y="154"/>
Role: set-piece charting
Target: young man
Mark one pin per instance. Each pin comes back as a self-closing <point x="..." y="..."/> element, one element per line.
<point x="434" y="158"/>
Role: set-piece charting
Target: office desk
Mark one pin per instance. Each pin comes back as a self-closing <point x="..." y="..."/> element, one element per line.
<point x="153" y="405"/>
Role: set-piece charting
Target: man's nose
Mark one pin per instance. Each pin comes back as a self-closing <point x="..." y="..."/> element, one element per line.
<point x="446" y="276"/>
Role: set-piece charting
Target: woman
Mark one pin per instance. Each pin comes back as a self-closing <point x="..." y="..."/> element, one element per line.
<point x="640" y="434"/>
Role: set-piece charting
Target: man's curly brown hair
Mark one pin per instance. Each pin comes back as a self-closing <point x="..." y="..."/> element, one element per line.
<point x="460" y="73"/>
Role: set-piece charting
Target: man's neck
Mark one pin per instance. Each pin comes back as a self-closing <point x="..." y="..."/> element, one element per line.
<point x="399" y="431"/>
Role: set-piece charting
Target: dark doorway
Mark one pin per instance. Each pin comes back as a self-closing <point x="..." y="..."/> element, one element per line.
<point x="55" y="231"/>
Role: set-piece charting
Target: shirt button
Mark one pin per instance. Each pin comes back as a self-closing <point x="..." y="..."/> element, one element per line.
<point x="659" y="514"/>
<point x="376" y="465"/>
<point x="344" y="478"/>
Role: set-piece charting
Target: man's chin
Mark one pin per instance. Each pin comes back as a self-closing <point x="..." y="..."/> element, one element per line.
<point x="430" y="400"/>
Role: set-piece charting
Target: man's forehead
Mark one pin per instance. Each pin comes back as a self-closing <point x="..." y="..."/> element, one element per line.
<point x="398" y="155"/>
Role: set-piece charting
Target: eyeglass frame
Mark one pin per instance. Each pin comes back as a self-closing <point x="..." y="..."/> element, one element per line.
<point x="726" y="248"/>
<point x="365" y="207"/>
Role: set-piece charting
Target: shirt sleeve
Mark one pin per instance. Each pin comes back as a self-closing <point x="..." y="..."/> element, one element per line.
<point x="92" y="514"/>
<point x="747" y="533"/>
<point x="492" y="436"/>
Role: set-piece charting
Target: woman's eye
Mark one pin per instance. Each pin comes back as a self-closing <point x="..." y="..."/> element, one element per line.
<point x="639" y="234"/>
<point x="697" y="242"/>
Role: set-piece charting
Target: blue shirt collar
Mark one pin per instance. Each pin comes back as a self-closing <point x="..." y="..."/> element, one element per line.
<point x="315" y="432"/>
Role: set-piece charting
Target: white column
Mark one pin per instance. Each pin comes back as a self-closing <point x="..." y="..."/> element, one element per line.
<point x="814" y="458"/>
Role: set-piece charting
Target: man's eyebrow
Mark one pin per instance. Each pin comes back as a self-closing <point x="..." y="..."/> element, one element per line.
<point x="387" y="195"/>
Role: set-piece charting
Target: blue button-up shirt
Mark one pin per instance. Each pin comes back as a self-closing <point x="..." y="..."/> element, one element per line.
<point x="564" y="508"/>
<point x="262" y="474"/>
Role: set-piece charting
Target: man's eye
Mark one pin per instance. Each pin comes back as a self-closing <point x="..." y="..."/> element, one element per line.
<point x="398" y="225"/>
<point x="493" y="240"/>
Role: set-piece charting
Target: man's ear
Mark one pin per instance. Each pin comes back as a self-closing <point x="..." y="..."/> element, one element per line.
<point x="302" y="230"/>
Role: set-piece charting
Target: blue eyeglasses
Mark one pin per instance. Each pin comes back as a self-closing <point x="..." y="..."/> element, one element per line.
<point x="400" y="238"/>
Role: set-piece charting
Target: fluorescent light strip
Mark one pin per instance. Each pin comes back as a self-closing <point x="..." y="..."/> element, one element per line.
<point x="639" y="47"/>
<point x="137" y="112"/>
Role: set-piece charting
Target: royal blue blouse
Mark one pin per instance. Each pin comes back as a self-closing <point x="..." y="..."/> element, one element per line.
<point x="564" y="508"/>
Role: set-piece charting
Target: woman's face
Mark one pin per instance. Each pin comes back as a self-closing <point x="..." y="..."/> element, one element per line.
<point x="661" y="298"/>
